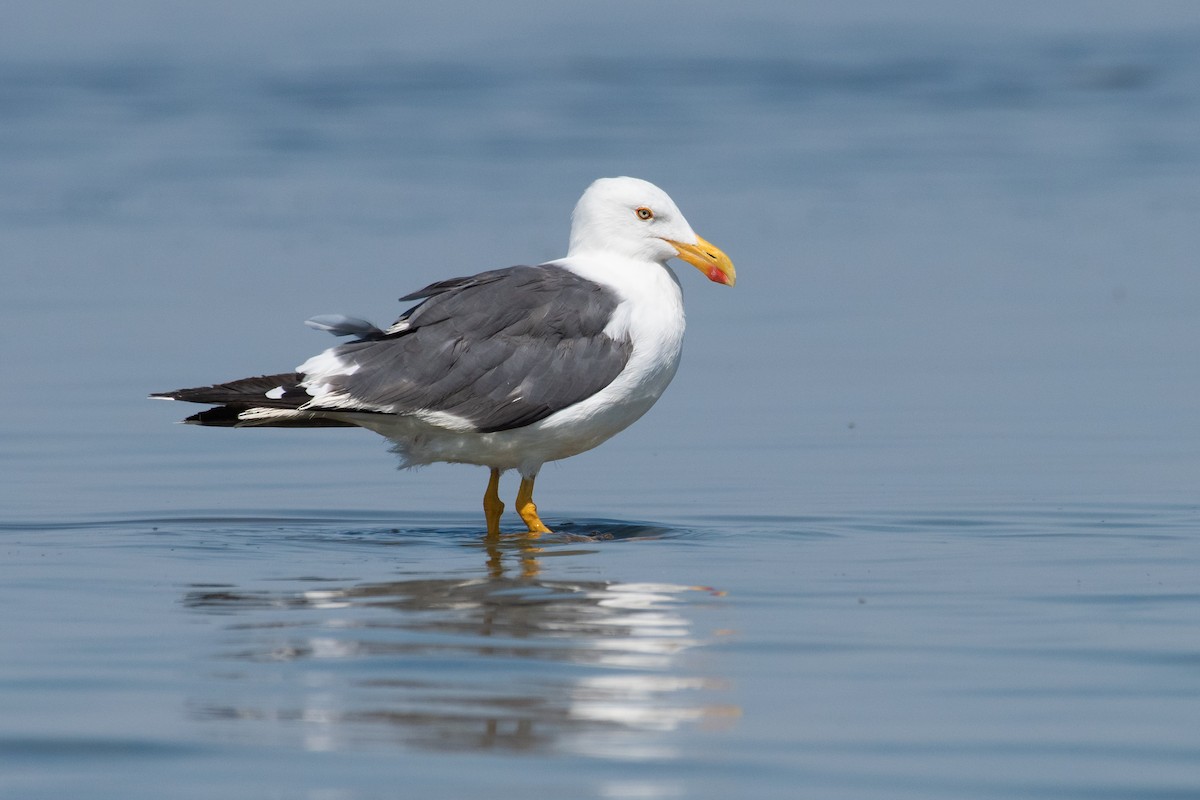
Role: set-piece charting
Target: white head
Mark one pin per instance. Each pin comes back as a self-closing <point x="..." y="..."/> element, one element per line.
<point x="636" y="219"/>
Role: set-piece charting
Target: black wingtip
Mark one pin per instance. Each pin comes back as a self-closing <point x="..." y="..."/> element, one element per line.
<point x="263" y="390"/>
<point x="221" y="417"/>
<point x="230" y="417"/>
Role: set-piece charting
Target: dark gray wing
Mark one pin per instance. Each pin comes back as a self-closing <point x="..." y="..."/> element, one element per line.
<point x="502" y="349"/>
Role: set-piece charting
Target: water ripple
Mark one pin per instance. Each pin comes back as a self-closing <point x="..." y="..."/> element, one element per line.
<point x="570" y="665"/>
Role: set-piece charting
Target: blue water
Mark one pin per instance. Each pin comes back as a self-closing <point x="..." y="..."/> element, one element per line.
<point x="918" y="517"/>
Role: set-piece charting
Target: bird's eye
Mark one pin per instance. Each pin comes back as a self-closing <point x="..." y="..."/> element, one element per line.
<point x="644" y="213"/>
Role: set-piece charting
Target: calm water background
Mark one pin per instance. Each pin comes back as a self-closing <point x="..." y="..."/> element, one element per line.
<point x="918" y="518"/>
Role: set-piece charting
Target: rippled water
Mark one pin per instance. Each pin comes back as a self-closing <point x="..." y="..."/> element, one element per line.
<point x="918" y="517"/>
<point x="1028" y="651"/>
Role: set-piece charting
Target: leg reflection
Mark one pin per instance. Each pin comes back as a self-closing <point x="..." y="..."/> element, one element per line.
<point x="524" y="548"/>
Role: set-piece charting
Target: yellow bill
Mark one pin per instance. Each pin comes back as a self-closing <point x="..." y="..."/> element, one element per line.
<point x="708" y="258"/>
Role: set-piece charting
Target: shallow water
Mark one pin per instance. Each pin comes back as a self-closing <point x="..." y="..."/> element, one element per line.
<point x="1023" y="652"/>
<point x="918" y="517"/>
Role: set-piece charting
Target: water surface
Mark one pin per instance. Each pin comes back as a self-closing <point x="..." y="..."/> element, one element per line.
<point x="1031" y="651"/>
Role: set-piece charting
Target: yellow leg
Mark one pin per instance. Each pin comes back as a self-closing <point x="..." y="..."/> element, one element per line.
<point x="527" y="509"/>
<point x="492" y="506"/>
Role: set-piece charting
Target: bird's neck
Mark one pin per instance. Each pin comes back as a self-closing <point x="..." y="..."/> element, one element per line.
<point x="617" y="272"/>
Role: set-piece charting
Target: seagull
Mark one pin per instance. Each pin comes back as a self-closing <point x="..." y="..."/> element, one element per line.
<point x="510" y="368"/>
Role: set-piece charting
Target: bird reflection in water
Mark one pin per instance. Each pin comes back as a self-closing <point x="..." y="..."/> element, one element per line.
<point x="501" y="659"/>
